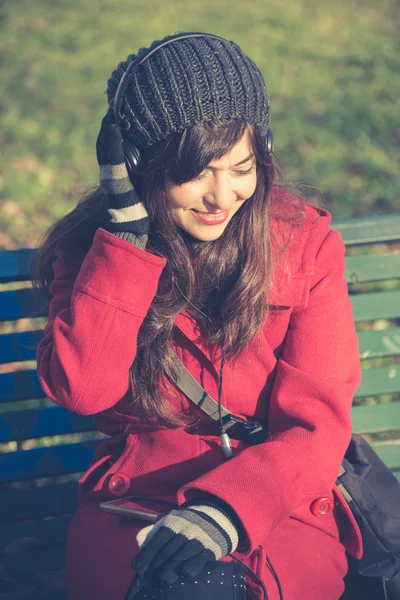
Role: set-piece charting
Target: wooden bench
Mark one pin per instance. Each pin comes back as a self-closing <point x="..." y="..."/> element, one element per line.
<point x="44" y="448"/>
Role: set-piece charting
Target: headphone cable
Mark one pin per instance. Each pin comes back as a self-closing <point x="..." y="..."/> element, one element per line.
<point x="257" y="578"/>
<point x="227" y="449"/>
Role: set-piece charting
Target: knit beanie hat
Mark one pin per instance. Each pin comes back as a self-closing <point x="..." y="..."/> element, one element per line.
<point x="189" y="81"/>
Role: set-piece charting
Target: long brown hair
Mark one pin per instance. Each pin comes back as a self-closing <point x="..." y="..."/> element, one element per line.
<point x="228" y="279"/>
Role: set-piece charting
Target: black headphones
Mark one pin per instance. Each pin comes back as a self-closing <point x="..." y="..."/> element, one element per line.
<point x="131" y="152"/>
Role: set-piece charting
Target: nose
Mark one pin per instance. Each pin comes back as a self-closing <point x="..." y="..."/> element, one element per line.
<point x="220" y="194"/>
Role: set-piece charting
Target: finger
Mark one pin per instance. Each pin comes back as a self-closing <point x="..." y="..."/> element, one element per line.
<point x="168" y="578"/>
<point x="195" y="565"/>
<point x="102" y="142"/>
<point x="144" y="535"/>
<point x="176" y="550"/>
<point x="149" y="551"/>
<point x="115" y="145"/>
<point x="137" y="584"/>
<point x="173" y="555"/>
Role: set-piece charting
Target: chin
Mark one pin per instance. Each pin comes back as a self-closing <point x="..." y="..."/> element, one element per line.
<point x="207" y="236"/>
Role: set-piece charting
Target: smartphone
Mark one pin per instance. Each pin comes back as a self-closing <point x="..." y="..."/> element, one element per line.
<point x="145" y="509"/>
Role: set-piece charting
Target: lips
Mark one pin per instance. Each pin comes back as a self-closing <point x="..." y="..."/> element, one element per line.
<point x="210" y="218"/>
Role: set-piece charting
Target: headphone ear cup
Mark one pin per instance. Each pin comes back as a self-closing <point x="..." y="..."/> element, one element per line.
<point x="270" y="141"/>
<point x="132" y="158"/>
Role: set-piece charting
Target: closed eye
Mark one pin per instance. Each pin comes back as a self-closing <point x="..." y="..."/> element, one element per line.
<point x="236" y="172"/>
<point x="247" y="172"/>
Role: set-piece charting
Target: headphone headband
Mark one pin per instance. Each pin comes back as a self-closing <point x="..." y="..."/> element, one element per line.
<point x="134" y="65"/>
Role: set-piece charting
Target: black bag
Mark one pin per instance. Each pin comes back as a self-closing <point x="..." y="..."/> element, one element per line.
<point x="218" y="581"/>
<point x="373" y="495"/>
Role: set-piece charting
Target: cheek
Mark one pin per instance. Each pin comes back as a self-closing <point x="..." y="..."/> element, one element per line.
<point x="248" y="187"/>
<point x="179" y="197"/>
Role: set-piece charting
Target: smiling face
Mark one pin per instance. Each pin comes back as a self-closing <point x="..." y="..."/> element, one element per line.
<point x="204" y="206"/>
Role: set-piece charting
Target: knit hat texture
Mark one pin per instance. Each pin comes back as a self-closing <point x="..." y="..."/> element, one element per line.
<point x="189" y="81"/>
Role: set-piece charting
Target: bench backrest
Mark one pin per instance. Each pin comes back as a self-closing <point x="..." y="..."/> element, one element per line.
<point x="44" y="446"/>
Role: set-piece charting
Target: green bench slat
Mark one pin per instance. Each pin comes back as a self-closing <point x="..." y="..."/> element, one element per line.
<point x="23" y="346"/>
<point x="19" y="346"/>
<point x="17" y="304"/>
<point x="368" y="229"/>
<point x="389" y="452"/>
<point x="372" y="267"/>
<point x="49" y="532"/>
<point x="376" y="305"/>
<point x="380" y="380"/>
<point x="20" y="385"/>
<point x="22" y="425"/>
<point x="32" y="562"/>
<point x="370" y="419"/>
<point x="25" y="424"/>
<point x="48" y="461"/>
<point x="38" y="502"/>
<point x="397" y="475"/>
<point x="378" y="344"/>
<point x="15" y="265"/>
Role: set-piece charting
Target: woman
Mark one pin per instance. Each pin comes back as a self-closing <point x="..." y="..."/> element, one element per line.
<point x="199" y="249"/>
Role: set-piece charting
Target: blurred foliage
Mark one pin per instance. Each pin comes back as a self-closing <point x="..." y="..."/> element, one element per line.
<point x="331" y="68"/>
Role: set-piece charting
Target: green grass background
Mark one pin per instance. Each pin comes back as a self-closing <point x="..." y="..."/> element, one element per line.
<point x="331" y="69"/>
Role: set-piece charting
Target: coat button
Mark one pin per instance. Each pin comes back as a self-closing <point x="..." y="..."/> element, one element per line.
<point x="119" y="484"/>
<point x="321" y="506"/>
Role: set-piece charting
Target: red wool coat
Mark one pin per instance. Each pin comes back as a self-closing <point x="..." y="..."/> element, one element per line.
<point x="301" y="371"/>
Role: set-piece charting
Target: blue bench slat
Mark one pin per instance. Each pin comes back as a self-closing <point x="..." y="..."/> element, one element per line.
<point x="32" y="586"/>
<point x="21" y="303"/>
<point x="36" y="503"/>
<point x="15" y="265"/>
<point x="33" y="562"/>
<point x="53" y="593"/>
<point x="50" y="532"/>
<point x="15" y="347"/>
<point x="369" y="229"/>
<point x="26" y="424"/>
<point x="18" y="304"/>
<point x="46" y="594"/>
<point x="48" y="421"/>
<point x="20" y="385"/>
<point x="45" y="462"/>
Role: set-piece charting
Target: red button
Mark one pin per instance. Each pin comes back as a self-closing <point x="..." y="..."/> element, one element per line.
<point x="119" y="484"/>
<point x="321" y="506"/>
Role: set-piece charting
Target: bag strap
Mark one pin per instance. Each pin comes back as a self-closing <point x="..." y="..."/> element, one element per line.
<point x="193" y="390"/>
<point x="251" y="432"/>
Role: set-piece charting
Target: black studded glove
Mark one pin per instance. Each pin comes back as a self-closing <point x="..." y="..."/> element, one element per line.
<point x="183" y="541"/>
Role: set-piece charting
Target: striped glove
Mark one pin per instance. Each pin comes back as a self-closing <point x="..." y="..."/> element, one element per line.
<point x="128" y="217"/>
<point x="183" y="541"/>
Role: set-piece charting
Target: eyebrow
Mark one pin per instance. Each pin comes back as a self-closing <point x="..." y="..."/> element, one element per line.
<point x="245" y="160"/>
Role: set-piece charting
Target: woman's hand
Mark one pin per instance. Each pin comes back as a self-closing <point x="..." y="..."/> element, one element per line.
<point x="184" y="540"/>
<point x="128" y="217"/>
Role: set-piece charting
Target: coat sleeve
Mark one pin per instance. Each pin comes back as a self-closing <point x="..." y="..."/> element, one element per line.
<point x="309" y="414"/>
<point x="95" y="313"/>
